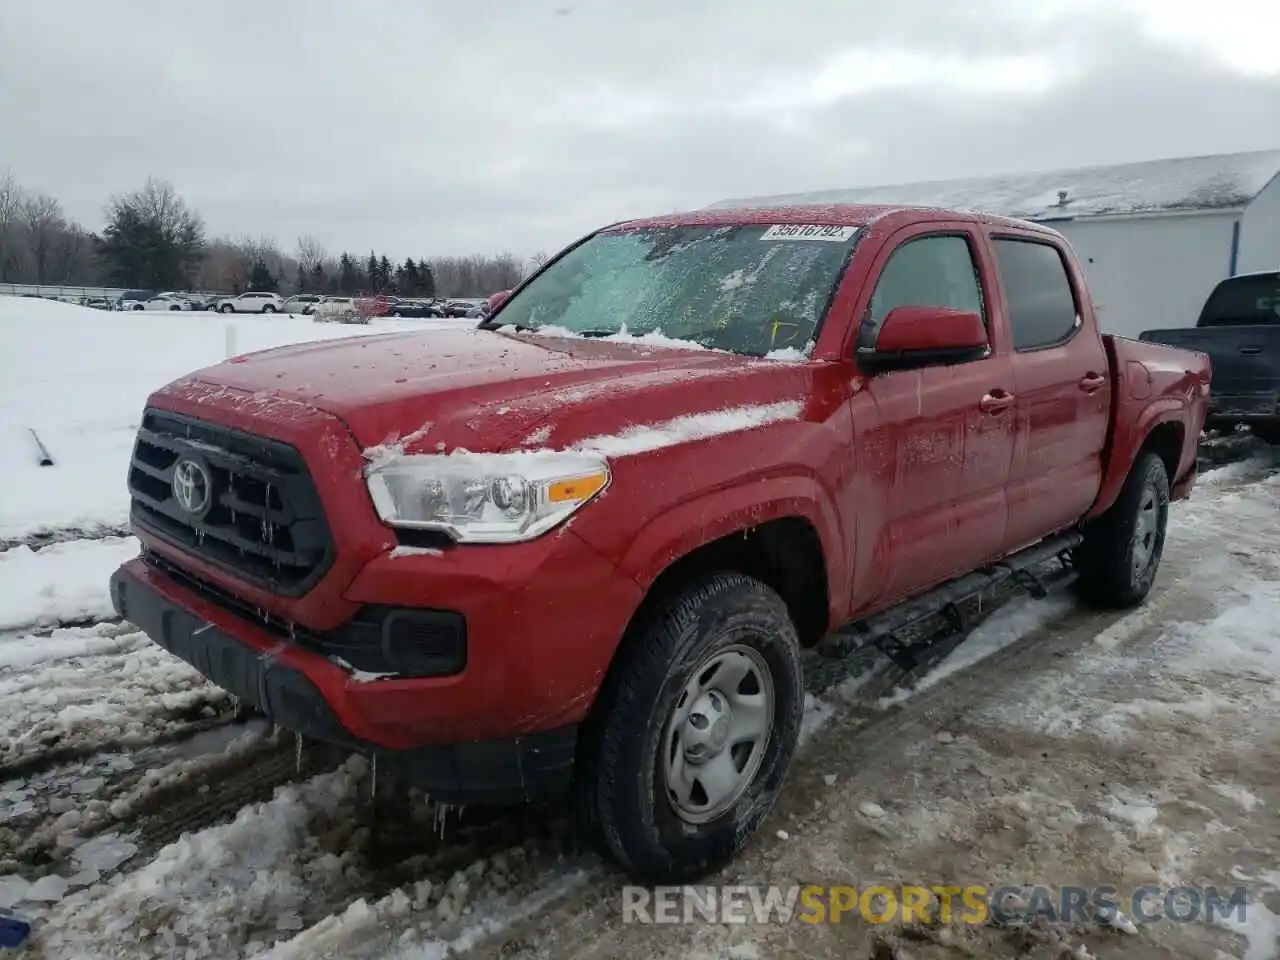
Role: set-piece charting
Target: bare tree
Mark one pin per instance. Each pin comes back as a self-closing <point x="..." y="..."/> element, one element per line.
<point x="45" y="226"/>
<point x="536" y="263"/>
<point x="11" y="196"/>
<point x="310" y="253"/>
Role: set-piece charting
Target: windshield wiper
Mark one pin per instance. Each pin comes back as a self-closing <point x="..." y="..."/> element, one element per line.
<point x="494" y="325"/>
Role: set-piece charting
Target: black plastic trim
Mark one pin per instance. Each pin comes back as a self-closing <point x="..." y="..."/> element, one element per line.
<point x="365" y="642"/>
<point x="479" y="772"/>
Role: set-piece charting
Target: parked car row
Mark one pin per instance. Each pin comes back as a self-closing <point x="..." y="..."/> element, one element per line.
<point x="305" y="304"/>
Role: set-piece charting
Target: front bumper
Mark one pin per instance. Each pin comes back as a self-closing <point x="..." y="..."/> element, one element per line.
<point x="294" y="689"/>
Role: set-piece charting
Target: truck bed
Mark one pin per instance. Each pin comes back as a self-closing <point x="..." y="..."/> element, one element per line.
<point x="1246" y="367"/>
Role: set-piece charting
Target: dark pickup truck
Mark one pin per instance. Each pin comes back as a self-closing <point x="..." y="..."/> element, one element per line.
<point x="1239" y="328"/>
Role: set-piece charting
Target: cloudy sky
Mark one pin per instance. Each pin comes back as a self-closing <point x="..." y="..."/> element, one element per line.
<point x="429" y="127"/>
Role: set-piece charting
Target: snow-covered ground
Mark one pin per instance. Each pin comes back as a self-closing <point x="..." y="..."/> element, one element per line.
<point x="79" y="377"/>
<point x="141" y="817"/>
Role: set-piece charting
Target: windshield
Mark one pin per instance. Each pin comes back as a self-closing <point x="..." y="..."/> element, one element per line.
<point x="745" y="288"/>
<point x="1243" y="300"/>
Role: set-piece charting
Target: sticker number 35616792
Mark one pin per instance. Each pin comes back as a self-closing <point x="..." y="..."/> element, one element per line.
<point x="807" y="231"/>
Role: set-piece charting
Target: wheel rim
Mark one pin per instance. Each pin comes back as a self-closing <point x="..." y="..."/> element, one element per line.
<point x="717" y="734"/>
<point x="1146" y="530"/>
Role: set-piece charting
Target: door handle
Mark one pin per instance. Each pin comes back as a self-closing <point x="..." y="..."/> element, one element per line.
<point x="996" y="401"/>
<point x="1092" y="382"/>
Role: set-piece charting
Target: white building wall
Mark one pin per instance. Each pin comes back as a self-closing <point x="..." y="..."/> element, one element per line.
<point x="1260" y="232"/>
<point x="1151" y="272"/>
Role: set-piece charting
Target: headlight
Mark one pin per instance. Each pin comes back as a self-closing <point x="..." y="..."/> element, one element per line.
<point x="485" y="498"/>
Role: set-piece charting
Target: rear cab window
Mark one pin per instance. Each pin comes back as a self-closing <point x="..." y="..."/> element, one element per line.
<point x="1039" y="297"/>
<point x="1246" y="300"/>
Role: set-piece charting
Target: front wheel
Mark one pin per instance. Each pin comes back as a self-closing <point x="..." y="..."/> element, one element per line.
<point x="228" y="308"/>
<point x="1121" y="552"/>
<point x="690" y="740"/>
<point x="268" y="308"/>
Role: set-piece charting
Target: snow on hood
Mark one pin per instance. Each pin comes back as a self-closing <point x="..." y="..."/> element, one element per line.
<point x="490" y="391"/>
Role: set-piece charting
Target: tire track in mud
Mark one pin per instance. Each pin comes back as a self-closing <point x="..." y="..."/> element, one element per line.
<point x="878" y="734"/>
<point x="397" y="840"/>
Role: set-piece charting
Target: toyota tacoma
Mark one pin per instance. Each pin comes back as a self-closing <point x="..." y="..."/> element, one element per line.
<point x="581" y="547"/>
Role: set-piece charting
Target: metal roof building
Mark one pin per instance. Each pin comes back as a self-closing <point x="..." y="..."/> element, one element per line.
<point x="1154" y="236"/>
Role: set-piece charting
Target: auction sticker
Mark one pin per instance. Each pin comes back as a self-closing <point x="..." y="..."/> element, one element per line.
<point x="808" y="231"/>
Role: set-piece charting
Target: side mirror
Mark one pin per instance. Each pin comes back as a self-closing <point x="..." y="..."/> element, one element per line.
<point x="497" y="300"/>
<point x="926" y="336"/>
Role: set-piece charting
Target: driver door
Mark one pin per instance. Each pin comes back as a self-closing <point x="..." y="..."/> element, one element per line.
<point x="939" y="455"/>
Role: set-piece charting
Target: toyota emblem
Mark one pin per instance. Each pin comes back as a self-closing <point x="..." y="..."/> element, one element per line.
<point x="192" y="487"/>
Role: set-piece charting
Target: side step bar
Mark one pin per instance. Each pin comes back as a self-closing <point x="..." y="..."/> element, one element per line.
<point x="884" y="629"/>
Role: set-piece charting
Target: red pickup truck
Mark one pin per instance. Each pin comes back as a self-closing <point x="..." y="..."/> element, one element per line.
<point x="582" y="545"/>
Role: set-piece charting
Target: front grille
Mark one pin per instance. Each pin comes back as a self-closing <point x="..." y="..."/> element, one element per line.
<point x="264" y="521"/>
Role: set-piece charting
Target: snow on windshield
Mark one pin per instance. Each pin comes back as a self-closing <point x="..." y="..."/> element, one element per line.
<point x="750" y="288"/>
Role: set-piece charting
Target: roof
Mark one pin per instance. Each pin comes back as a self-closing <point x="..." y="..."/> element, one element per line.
<point x="1184" y="184"/>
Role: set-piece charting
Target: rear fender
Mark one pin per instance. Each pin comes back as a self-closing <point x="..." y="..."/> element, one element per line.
<point x="1128" y="440"/>
<point x="678" y="532"/>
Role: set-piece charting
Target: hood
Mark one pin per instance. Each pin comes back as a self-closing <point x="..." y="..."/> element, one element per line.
<point x="490" y="391"/>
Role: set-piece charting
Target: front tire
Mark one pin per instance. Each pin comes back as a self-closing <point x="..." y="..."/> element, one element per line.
<point x="228" y="308"/>
<point x="1121" y="552"/>
<point x="268" y="308"/>
<point x="690" y="740"/>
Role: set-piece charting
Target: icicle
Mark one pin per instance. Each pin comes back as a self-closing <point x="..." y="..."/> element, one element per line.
<point x="373" y="772"/>
<point x="297" y="754"/>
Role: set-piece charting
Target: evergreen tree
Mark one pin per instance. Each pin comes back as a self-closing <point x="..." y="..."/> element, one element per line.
<point x="152" y="239"/>
<point x="426" y="279"/>
<point x="372" y="271"/>
<point x="347" y="277"/>
<point x="386" y="274"/>
<point x="407" y="278"/>
<point x="319" y="282"/>
<point x="260" y="278"/>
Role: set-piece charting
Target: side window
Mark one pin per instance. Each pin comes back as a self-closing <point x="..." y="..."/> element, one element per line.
<point x="1037" y="289"/>
<point x="925" y="272"/>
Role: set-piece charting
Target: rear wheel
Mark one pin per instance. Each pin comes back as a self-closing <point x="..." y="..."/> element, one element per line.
<point x="1121" y="552"/>
<point x="268" y="308"/>
<point x="228" y="308"/>
<point x="691" y="738"/>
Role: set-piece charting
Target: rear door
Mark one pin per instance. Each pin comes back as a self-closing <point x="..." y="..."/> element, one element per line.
<point x="937" y="462"/>
<point x="1062" y="387"/>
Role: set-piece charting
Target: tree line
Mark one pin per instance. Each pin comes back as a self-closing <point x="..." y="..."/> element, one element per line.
<point x="153" y="240"/>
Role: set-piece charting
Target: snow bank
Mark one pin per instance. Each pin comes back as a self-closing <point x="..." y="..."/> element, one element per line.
<point x="79" y="378"/>
<point x="60" y="583"/>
